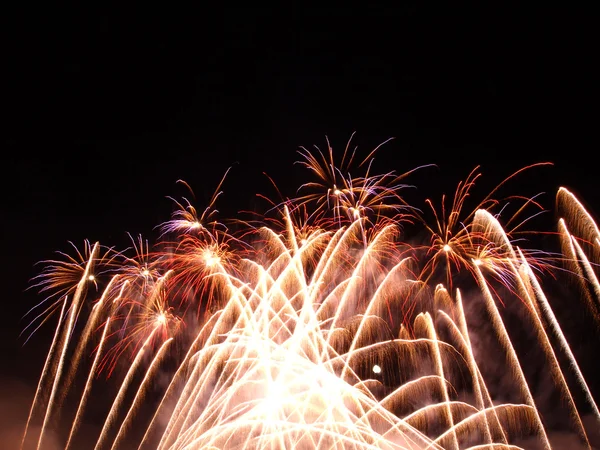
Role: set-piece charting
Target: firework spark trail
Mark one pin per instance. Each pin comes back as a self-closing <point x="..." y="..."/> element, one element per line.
<point x="574" y="265"/>
<point x="507" y="344"/>
<point x="75" y="306"/>
<point x="114" y="410"/>
<point x="372" y="304"/>
<point x="478" y="383"/>
<point x="555" y="326"/>
<point x="495" y="447"/>
<point x="535" y="312"/>
<point x="439" y="368"/>
<point x="588" y="269"/>
<point x="551" y="354"/>
<point x="135" y="404"/>
<point x="477" y="380"/>
<point x="355" y="277"/>
<point x="410" y="389"/>
<point x="224" y="348"/>
<point x="465" y="423"/>
<point x="172" y="385"/>
<point x="189" y="415"/>
<point x="176" y="414"/>
<point x="84" y="340"/>
<point x="88" y="386"/>
<point x="583" y="219"/>
<point x="191" y="384"/>
<point x="45" y="371"/>
<point x="461" y="332"/>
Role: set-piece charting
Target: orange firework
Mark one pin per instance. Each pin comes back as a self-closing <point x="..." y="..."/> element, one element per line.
<point x="472" y="239"/>
<point x="319" y="326"/>
<point x="348" y="197"/>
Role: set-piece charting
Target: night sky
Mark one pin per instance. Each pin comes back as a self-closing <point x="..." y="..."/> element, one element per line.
<point x="104" y="110"/>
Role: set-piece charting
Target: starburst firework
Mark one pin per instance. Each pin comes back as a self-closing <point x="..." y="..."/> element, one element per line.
<point x="321" y="328"/>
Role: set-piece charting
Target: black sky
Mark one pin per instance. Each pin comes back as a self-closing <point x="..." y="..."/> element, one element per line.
<point x="105" y="109"/>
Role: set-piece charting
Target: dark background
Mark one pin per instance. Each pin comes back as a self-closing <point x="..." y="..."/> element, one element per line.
<point x="105" y="109"/>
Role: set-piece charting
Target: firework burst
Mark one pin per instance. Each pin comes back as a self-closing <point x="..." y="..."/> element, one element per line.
<point x="321" y="327"/>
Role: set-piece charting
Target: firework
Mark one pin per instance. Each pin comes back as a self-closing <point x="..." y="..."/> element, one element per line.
<point x="320" y="327"/>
